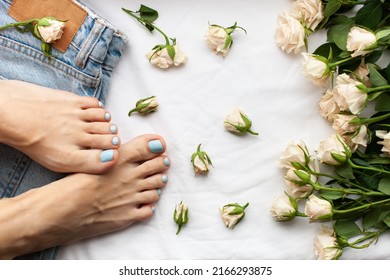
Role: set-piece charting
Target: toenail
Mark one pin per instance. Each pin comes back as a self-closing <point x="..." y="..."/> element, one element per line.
<point x="155" y="146"/>
<point x="100" y="104"/>
<point x="153" y="209"/>
<point x="115" y="141"/>
<point x="107" y="116"/>
<point x="167" y="162"/>
<point x="107" y="155"/>
<point x="113" y="128"/>
<point x="164" y="178"/>
<point x="159" y="192"/>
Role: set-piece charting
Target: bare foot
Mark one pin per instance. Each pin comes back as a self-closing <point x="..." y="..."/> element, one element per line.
<point x="58" y="129"/>
<point x="84" y="205"/>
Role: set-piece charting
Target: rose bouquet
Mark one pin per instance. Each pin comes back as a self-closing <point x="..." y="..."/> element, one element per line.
<point x="352" y="70"/>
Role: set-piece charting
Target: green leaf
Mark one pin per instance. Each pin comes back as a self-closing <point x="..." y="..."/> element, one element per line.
<point x="377" y="80"/>
<point x="347" y="229"/>
<point x="371" y="218"/>
<point x="332" y="7"/>
<point x="383" y="103"/>
<point x="370" y="14"/>
<point x="147" y="14"/>
<point x="331" y="195"/>
<point x="384" y="186"/>
<point x="386" y="220"/>
<point x="345" y="171"/>
<point x="338" y="33"/>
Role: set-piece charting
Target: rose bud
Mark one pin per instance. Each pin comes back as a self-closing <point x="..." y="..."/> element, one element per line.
<point x="333" y="150"/>
<point x="238" y="122"/>
<point x="284" y="209"/>
<point x="318" y="209"/>
<point x="49" y="29"/>
<point x="360" y="41"/>
<point x="180" y="215"/>
<point x="326" y="246"/>
<point x="201" y="162"/>
<point x="165" y="56"/>
<point x="145" y="106"/>
<point x="232" y="214"/>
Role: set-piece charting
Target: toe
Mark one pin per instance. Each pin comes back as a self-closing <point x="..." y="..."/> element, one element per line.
<point x="101" y="128"/>
<point x="154" y="182"/>
<point x="153" y="166"/>
<point x="95" y="115"/>
<point x="96" y="161"/>
<point x="86" y="102"/>
<point x="148" y="197"/>
<point x="100" y="141"/>
<point x="143" y="148"/>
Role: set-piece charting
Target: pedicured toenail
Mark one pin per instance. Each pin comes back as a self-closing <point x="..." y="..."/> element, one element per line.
<point x="167" y="162"/>
<point x="107" y="155"/>
<point x="164" y="178"/>
<point x="115" y="141"/>
<point x="107" y="116"/>
<point x="113" y="129"/>
<point x="159" y="192"/>
<point x="155" y="146"/>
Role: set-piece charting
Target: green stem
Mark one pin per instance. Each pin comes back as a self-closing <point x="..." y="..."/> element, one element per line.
<point x="16" y="24"/>
<point x="367" y="168"/>
<point x="371" y="235"/>
<point x="252" y="132"/>
<point x="319" y="187"/>
<point x="376" y="89"/>
<point x="337" y="63"/>
<point x="361" y="207"/>
<point x="374" y="119"/>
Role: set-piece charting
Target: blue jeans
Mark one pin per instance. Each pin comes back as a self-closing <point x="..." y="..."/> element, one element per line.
<point x="84" y="69"/>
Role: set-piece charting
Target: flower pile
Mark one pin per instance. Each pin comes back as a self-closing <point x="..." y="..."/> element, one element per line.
<point x="353" y="72"/>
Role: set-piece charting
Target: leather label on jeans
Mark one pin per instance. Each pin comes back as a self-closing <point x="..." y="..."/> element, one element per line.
<point x="65" y="10"/>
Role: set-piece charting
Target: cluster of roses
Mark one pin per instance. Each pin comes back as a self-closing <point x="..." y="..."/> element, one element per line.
<point x="355" y="197"/>
<point x="166" y="55"/>
<point x="218" y="38"/>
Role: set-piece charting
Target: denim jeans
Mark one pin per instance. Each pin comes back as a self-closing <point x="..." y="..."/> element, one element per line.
<point x="84" y="69"/>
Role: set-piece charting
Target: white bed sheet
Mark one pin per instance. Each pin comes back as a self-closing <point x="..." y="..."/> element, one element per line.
<point x="194" y="99"/>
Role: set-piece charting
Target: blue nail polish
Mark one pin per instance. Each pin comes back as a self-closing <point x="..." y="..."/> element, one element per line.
<point x="159" y="192"/>
<point x="164" y="178"/>
<point x="167" y="162"/>
<point x="113" y="128"/>
<point x="107" y="116"/>
<point x="155" y="146"/>
<point x="115" y="141"/>
<point x="107" y="155"/>
<point x="153" y="209"/>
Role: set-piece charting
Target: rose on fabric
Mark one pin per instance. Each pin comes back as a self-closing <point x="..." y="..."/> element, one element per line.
<point x="353" y="134"/>
<point x="165" y="56"/>
<point x="333" y="150"/>
<point x="359" y="138"/>
<point x="309" y="12"/>
<point x="328" y="106"/>
<point x="316" y="69"/>
<point x="294" y="152"/>
<point x="326" y="246"/>
<point x="317" y="209"/>
<point x="180" y="216"/>
<point x="363" y="74"/>
<point x="219" y="39"/>
<point x="232" y="214"/>
<point x="284" y="209"/>
<point x="298" y="183"/>
<point x="145" y="106"/>
<point x="359" y="41"/>
<point x="348" y="96"/>
<point x="290" y="34"/>
<point x="238" y="122"/>
<point x="49" y="29"/>
<point x="201" y="162"/>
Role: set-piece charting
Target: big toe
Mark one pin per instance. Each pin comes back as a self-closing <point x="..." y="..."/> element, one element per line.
<point x="143" y="148"/>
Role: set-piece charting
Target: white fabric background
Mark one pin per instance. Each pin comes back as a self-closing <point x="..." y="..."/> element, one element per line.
<point x="194" y="99"/>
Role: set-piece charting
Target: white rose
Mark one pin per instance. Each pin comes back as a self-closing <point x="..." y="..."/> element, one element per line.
<point x="342" y="124"/>
<point x="296" y="187"/>
<point x="315" y="69"/>
<point x="232" y="214"/>
<point x="317" y="209"/>
<point x="328" y="106"/>
<point x="201" y="162"/>
<point x="363" y="73"/>
<point x="333" y="150"/>
<point x="162" y="58"/>
<point x="310" y="12"/>
<point x="359" y="138"/>
<point x="50" y="30"/>
<point x="326" y="246"/>
<point x="283" y="210"/>
<point x="145" y="106"/>
<point x="359" y="39"/>
<point x="216" y="38"/>
<point x="347" y="95"/>
<point x="294" y="152"/>
<point x="290" y="34"/>
<point x="385" y="136"/>
<point x="238" y="122"/>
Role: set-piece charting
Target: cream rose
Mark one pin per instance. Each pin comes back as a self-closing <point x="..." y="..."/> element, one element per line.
<point x="294" y="152"/>
<point x="333" y="150"/>
<point x="290" y="34"/>
<point x="342" y="124"/>
<point x="359" y="138"/>
<point x="318" y="209"/>
<point x="238" y="122"/>
<point x="359" y="40"/>
<point x="232" y="214"/>
<point x="363" y="73"/>
<point x="162" y="59"/>
<point x="283" y="209"/>
<point x="348" y="96"/>
<point x="385" y="136"/>
<point x="50" y="30"/>
<point x="309" y="12"/>
<point x="326" y="246"/>
<point x="296" y="187"/>
<point x="328" y="106"/>
<point x="315" y="69"/>
<point x="218" y="40"/>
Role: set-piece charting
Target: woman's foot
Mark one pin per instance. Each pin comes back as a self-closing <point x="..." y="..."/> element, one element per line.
<point x="58" y="129"/>
<point x="85" y="205"/>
